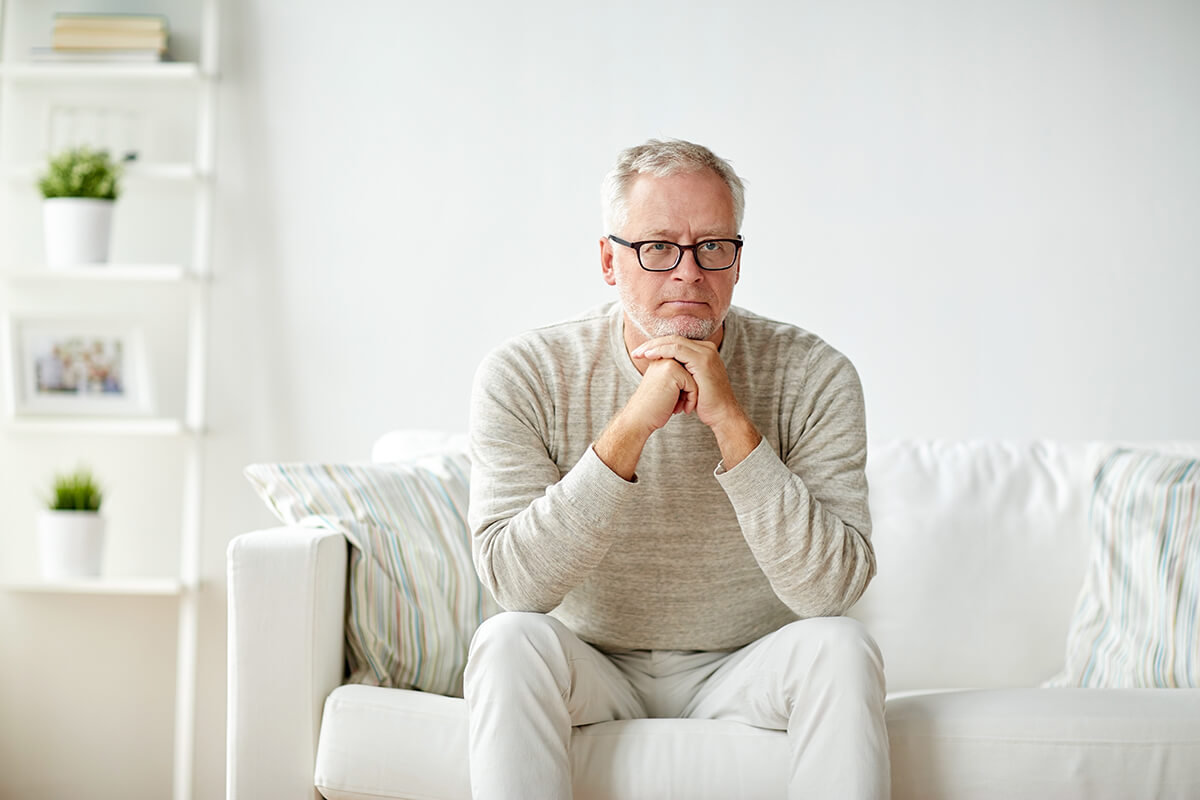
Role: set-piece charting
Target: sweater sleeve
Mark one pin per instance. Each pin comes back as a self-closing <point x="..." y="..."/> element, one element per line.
<point x="536" y="532"/>
<point x="805" y="516"/>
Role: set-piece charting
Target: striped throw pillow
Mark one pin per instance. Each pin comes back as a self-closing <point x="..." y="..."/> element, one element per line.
<point x="414" y="600"/>
<point x="1136" y="622"/>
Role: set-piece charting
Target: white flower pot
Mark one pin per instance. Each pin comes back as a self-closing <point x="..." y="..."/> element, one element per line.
<point x="71" y="544"/>
<point x="77" y="230"/>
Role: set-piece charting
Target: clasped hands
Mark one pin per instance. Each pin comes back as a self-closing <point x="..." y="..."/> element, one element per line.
<point x="681" y="376"/>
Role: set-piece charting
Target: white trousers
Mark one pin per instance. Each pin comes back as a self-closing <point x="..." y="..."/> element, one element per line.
<point x="529" y="679"/>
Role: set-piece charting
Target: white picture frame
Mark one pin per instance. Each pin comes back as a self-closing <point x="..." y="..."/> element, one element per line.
<point x="76" y="367"/>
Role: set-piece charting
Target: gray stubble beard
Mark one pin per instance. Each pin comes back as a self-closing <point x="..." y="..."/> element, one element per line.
<point x="653" y="327"/>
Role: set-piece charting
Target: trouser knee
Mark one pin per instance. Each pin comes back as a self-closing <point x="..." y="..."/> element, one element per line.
<point x="841" y="647"/>
<point x="506" y="645"/>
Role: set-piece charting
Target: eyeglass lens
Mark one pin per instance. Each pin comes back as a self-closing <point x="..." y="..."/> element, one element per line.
<point x="717" y="254"/>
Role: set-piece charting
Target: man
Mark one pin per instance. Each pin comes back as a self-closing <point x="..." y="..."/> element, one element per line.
<point x="669" y="493"/>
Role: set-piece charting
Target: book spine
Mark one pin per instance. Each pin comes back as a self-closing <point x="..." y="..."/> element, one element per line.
<point x="73" y="41"/>
<point x="50" y="56"/>
<point x="117" y="22"/>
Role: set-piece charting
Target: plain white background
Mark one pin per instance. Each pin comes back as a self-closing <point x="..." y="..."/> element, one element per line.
<point x="990" y="208"/>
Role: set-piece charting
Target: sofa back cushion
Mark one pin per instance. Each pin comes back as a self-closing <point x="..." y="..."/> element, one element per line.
<point x="981" y="548"/>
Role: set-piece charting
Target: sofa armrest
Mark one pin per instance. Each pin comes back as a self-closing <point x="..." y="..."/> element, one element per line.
<point x="287" y="590"/>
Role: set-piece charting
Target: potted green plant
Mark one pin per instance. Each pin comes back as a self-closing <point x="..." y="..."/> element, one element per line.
<point x="79" y="189"/>
<point x="70" y="528"/>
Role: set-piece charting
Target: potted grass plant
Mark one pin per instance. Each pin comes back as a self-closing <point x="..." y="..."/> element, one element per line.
<point x="70" y="528"/>
<point x="79" y="190"/>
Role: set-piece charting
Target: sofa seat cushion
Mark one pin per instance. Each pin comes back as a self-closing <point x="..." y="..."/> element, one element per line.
<point x="378" y="742"/>
<point x="394" y="743"/>
<point x="1056" y="744"/>
<point x="699" y="759"/>
<point x="1090" y="744"/>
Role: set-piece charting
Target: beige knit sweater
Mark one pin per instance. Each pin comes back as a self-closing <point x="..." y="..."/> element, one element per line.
<point x="688" y="556"/>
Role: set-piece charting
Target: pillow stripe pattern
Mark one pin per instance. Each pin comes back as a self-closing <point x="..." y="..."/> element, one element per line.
<point x="414" y="600"/>
<point x="1137" y="621"/>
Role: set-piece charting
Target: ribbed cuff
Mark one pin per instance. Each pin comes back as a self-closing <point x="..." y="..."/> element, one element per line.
<point x="757" y="481"/>
<point x="594" y="491"/>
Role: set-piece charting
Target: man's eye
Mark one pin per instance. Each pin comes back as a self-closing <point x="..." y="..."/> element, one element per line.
<point x="710" y="246"/>
<point x="657" y="247"/>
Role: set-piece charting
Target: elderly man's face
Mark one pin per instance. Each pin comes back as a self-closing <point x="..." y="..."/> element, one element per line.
<point x="687" y="301"/>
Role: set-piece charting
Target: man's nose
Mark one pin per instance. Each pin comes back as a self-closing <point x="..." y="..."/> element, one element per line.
<point x="688" y="268"/>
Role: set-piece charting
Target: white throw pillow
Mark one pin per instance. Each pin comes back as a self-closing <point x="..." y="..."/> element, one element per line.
<point x="1136" y="621"/>
<point x="414" y="600"/>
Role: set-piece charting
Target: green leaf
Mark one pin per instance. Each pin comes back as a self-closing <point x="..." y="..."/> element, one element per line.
<point x="75" y="491"/>
<point x="81" y="172"/>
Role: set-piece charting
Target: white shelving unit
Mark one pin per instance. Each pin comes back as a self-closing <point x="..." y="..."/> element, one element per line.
<point x="89" y="426"/>
<point x="150" y="587"/>
<point x="21" y="79"/>
<point x="112" y="273"/>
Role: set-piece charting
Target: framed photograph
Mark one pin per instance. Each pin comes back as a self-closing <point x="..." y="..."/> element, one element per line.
<point x="77" y="367"/>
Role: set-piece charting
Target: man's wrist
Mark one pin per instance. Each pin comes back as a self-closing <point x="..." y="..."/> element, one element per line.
<point x="736" y="438"/>
<point x="620" y="446"/>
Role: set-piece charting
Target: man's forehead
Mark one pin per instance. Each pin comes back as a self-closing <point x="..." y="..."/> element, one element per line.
<point x="649" y="187"/>
<point x="698" y="199"/>
<point x="704" y="232"/>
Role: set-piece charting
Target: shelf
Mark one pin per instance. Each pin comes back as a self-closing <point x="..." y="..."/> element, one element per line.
<point x="100" y="427"/>
<point x="161" y="587"/>
<point x="104" y="273"/>
<point x="102" y="71"/>
<point x="163" y="171"/>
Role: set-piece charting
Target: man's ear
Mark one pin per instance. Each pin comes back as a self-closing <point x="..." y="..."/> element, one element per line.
<point x="606" y="262"/>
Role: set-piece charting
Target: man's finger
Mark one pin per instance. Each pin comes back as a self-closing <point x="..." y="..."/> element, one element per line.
<point x="691" y="395"/>
<point x="674" y="347"/>
<point x="654" y="344"/>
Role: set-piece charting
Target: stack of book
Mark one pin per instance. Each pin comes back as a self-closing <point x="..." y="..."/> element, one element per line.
<point x="106" y="37"/>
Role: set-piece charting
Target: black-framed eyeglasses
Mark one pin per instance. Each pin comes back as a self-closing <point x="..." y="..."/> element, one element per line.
<point x="712" y="255"/>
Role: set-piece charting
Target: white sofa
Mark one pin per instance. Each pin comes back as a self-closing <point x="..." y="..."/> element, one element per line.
<point x="982" y="548"/>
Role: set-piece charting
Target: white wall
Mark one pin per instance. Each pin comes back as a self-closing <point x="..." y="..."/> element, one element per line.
<point x="989" y="207"/>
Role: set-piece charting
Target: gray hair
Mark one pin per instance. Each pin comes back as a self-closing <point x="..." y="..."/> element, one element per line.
<point x="661" y="159"/>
